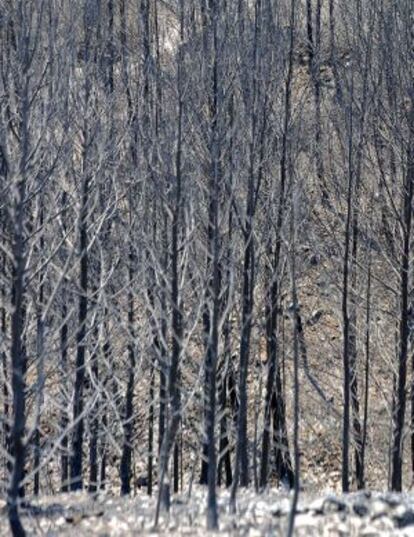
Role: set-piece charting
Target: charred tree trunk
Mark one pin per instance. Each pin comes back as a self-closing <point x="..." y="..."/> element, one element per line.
<point x="173" y="388"/>
<point x="150" y="462"/>
<point x="400" y="396"/>
<point x="64" y="418"/>
<point x="18" y="351"/>
<point x="94" y="418"/>
<point x="39" y="356"/>
<point x="128" y="425"/>
<point x="367" y="372"/>
<point x="76" y="457"/>
<point x="274" y="399"/>
<point x="224" y="458"/>
<point x="76" y="460"/>
<point x="346" y="320"/>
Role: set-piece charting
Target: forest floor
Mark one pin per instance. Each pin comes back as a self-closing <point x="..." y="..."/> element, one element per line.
<point x="359" y="514"/>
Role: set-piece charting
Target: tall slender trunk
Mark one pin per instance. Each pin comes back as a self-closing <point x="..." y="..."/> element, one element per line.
<point x="315" y="67"/>
<point x="400" y="396"/>
<point x="224" y="458"/>
<point x="18" y="352"/>
<point x="103" y="445"/>
<point x="173" y="387"/>
<point x="214" y="284"/>
<point x="76" y="459"/>
<point x="5" y="376"/>
<point x="346" y="320"/>
<point x="162" y="356"/>
<point x="257" y="133"/>
<point x="39" y="357"/>
<point x="274" y="400"/>
<point x="296" y="386"/>
<point x="353" y="307"/>
<point x="367" y="371"/>
<point x="126" y="458"/>
<point x="353" y="353"/>
<point x="150" y="462"/>
<point x="94" y="415"/>
<point x="128" y="425"/>
<point x="64" y="418"/>
<point x="162" y="374"/>
<point x="241" y="470"/>
<point x="309" y="30"/>
<point x="18" y="361"/>
<point x="18" y="355"/>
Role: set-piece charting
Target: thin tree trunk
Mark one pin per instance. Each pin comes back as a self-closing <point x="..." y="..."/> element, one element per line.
<point x="367" y="372"/>
<point x="150" y="462"/>
<point x="214" y="284"/>
<point x="39" y="353"/>
<point x="5" y="375"/>
<point x="296" y="386"/>
<point x="76" y="458"/>
<point x="18" y="353"/>
<point x="399" y="413"/>
<point x="224" y="459"/>
<point x="274" y="400"/>
<point x="125" y="465"/>
<point x="173" y="389"/>
<point x="346" y="323"/>
<point x="76" y="461"/>
<point x="94" y="420"/>
<point x="64" y="418"/>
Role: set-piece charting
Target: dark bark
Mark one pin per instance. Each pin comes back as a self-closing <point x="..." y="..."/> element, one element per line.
<point x="173" y="388"/>
<point x="103" y="447"/>
<point x="274" y="400"/>
<point x="296" y="386"/>
<point x="39" y="354"/>
<point x="367" y="372"/>
<point x="76" y="458"/>
<point x="17" y="212"/>
<point x="128" y="425"/>
<point x="5" y="374"/>
<point x="401" y="396"/>
<point x="150" y="462"/>
<point x="94" y="419"/>
<point x="315" y="73"/>
<point x="214" y="285"/>
<point x="18" y="360"/>
<point x="309" y="30"/>
<point x="256" y="148"/>
<point x="346" y="324"/>
<point x="224" y="457"/>
<point x="64" y="418"/>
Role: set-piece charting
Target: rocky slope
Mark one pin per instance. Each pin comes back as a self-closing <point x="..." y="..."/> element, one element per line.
<point x="367" y="514"/>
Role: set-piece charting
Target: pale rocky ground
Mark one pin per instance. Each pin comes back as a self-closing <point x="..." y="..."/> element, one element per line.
<point x="357" y="514"/>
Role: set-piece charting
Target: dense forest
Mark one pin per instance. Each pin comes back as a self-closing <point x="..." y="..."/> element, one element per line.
<point x="206" y="248"/>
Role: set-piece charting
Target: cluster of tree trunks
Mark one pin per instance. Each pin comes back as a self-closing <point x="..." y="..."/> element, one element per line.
<point x="164" y="168"/>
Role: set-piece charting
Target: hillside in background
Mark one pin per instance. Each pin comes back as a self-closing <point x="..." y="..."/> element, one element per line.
<point x="206" y="285"/>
